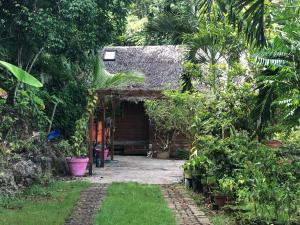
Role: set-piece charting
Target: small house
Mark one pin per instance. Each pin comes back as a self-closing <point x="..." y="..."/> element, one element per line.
<point x="127" y="127"/>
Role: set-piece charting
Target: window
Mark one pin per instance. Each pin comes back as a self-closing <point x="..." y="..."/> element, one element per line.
<point x="109" y="55"/>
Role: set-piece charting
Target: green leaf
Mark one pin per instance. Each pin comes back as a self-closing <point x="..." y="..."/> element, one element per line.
<point x="21" y="75"/>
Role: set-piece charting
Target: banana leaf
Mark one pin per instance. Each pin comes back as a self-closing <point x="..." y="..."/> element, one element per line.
<point x="21" y="75"/>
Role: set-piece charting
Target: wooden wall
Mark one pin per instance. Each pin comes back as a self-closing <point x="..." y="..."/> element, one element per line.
<point x="132" y="128"/>
<point x="179" y="141"/>
<point x="133" y="134"/>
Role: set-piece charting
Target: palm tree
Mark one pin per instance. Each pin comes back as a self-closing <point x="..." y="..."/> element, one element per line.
<point x="250" y="17"/>
<point x="278" y="83"/>
<point x="213" y="44"/>
<point x="247" y="15"/>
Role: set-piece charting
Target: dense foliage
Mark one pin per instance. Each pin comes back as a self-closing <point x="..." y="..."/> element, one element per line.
<point x="172" y="116"/>
<point x="240" y="86"/>
<point x="55" y="40"/>
<point x="263" y="181"/>
<point x="243" y="56"/>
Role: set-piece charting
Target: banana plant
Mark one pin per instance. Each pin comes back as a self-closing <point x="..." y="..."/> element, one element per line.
<point x="21" y="75"/>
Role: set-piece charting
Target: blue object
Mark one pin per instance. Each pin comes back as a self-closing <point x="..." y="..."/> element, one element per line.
<point x="53" y="135"/>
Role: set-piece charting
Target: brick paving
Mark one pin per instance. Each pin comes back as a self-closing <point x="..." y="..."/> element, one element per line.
<point x="87" y="205"/>
<point x="186" y="211"/>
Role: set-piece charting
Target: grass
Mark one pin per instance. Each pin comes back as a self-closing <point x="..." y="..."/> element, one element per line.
<point x="39" y="205"/>
<point x="134" y="204"/>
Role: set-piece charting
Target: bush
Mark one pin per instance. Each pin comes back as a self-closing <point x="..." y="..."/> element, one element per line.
<point x="182" y="154"/>
<point x="264" y="181"/>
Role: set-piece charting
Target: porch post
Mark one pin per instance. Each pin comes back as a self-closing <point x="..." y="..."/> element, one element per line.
<point x="90" y="145"/>
<point x="113" y="129"/>
<point x="103" y="135"/>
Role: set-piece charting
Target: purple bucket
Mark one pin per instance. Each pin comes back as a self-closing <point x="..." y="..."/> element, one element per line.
<point x="77" y="166"/>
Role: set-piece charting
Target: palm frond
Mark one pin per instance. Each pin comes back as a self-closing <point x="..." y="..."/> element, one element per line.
<point x="253" y="13"/>
<point x="198" y="46"/>
<point x="99" y="73"/>
<point x="270" y="62"/>
<point x="171" y="26"/>
<point x="123" y="79"/>
<point x="247" y="15"/>
<point x="103" y="79"/>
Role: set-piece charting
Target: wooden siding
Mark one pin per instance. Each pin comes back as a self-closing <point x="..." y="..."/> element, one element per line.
<point x="132" y="128"/>
<point x="179" y="141"/>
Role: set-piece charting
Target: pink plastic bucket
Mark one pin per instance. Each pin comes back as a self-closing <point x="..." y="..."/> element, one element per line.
<point x="106" y="153"/>
<point x="77" y="166"/>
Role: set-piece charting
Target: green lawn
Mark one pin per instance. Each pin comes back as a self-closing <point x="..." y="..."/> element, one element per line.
<point x="134" y="204"/>
<point x="42" y="205"/>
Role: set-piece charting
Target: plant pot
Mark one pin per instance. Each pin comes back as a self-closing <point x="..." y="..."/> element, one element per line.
<point x="163" y="155"/>
<point x="77" y="166"/>
<point x="205" y="190"/>
<point x="197" y="186"/>
<point x="220" y="200"/>
<point x="188" y="182"/>
<point x="273" y="144"/>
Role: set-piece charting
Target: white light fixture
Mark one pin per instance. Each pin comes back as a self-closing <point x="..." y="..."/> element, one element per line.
<point x="109" y="55"/>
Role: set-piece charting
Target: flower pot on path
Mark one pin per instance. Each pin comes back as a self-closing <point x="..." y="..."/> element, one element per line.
<point x="77" y="166"/>
<point x="163" y="155"/>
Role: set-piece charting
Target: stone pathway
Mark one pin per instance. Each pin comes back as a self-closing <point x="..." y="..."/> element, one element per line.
<point x="87" y="205"/>
<point x="187" y="213"/>
<point x="166" y="173"/>
<point x="138" y="169"/>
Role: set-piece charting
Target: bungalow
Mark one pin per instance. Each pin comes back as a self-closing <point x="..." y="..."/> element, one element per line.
<point x="127" y="127"/>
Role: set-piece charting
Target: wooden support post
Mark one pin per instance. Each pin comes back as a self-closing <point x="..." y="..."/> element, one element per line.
<point x="90" y="143"/>
<point x="113" y="128"/>
<point x="103" y="135"/>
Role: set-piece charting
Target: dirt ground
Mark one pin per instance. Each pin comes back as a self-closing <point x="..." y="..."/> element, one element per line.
<point x="138" y="169"/>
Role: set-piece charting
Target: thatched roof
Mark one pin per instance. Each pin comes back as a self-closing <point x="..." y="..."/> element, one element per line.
<point x="161" y="65"/>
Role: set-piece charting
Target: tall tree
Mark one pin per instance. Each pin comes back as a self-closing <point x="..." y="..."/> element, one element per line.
<point x="54" y="39"/>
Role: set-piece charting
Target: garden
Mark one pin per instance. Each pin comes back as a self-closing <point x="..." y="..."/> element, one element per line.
<point x="237" y="104"/>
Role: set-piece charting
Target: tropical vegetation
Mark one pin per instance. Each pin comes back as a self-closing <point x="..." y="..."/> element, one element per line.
<point x="242" y="66"/>
<point x="240" y="89"/>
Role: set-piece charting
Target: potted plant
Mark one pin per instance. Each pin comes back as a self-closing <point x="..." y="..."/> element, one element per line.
<point x="220" y="198"/>
<point x="225" y="191"/>
<point x="211" y="185"/>
<point x="188" y="178"/>
<point x="187" y="169"/>
<point x="78" y="159"/>
<point x="196" y="180"/>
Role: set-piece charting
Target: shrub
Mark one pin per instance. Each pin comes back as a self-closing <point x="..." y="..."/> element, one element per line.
<point x="264" y="181"/>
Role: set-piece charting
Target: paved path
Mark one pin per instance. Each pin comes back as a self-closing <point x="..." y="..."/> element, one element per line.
<point x="139" y="169"/>
<point x="87" y="205"/>
<point x="185" y="209"/>
<point x="142" y="170"/>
